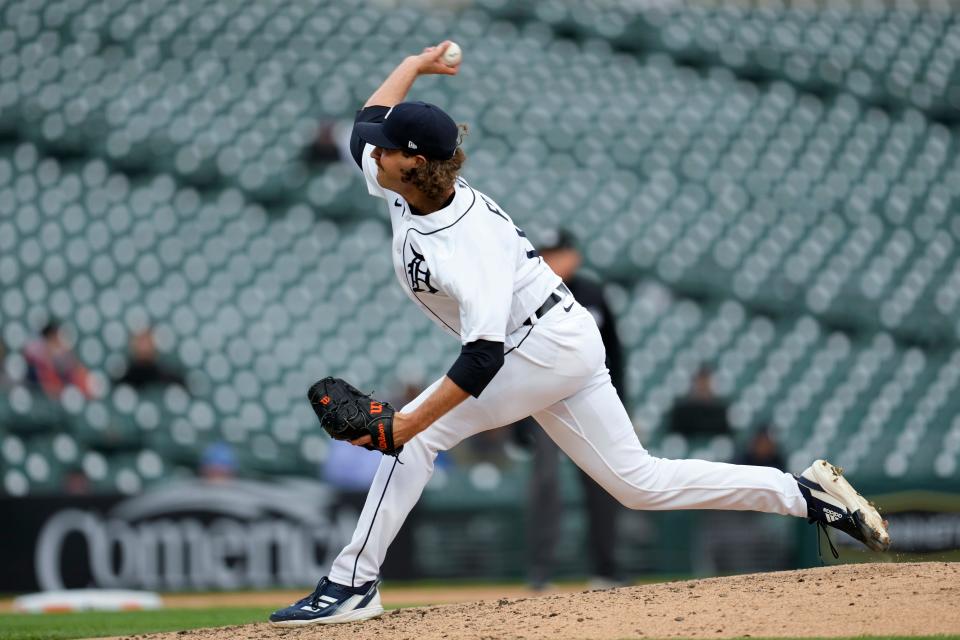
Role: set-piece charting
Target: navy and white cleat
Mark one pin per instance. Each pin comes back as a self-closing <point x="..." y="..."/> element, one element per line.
<point x="833" y="502"/>
<point x="332" y="603"/>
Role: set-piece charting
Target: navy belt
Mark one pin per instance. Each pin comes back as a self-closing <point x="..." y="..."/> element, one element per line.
<point x="549" y="303"/>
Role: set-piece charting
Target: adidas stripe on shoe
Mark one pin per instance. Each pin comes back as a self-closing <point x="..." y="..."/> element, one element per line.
<point x="332" y="603"/>
<point x="832" y="501"/>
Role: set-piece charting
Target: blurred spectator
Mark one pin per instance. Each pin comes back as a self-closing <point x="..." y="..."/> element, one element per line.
<point x="407" y="393"/>
<point x="218" y="462"/>
<point x="52" y="365"/>
<point x="561" y="254"/>
<point x="700" y="413"/>
<point x="744" y="541"/>
<point x="331" y="143"/>
<point x="350" y="470"/>
<point x="323" y="149"/>
<point x="76" y="482"/>
<point x="144" y="369"/>
<point x="762" y="451"/>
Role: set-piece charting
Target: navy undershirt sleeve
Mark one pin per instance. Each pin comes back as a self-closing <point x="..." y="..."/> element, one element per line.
<point x="476" y="365"/>
<point x="373" y="113"/>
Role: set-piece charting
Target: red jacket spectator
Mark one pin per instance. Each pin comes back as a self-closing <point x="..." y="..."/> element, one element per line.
<point x="52" y="365"/>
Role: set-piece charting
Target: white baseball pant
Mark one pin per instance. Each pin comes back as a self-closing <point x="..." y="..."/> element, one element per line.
<point x="557" y="375"/>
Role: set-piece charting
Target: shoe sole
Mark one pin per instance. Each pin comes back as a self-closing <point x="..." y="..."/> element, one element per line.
<point x="357" y="615"/>
<point x="868" y="518"/>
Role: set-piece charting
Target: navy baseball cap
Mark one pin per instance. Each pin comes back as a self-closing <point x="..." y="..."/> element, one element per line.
<point x="418" y="127"/>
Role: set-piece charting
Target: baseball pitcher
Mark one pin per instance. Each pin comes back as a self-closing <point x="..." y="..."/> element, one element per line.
<point x="527" y="348"/>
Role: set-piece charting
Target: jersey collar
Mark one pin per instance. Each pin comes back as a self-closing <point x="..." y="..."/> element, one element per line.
<point x="417" y="212"/>
<point x="463" y="200"/>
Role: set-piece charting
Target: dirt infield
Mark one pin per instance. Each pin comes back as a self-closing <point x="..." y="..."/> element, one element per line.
<point x="846" y="600"/>
<point x="392" y="595"/>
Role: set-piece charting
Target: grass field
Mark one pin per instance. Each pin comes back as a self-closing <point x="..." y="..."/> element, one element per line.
<point x="90" y="624"/>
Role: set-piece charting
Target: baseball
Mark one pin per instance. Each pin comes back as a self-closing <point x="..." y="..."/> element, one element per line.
<point x="451" y="57"/>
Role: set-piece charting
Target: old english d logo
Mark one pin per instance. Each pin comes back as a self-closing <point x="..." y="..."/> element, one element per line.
<point x="419" y="274"/>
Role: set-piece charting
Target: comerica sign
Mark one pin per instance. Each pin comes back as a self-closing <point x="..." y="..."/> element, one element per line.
<point x="185" y="553"/>
<point x="190" y="535"/>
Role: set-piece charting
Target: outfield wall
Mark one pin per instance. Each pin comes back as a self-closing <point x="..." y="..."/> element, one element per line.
<point x="253" y="535"/>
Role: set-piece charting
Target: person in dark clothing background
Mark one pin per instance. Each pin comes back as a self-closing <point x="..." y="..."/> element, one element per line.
<point x="560" y="252"/>
<point x="144" y="369"/>
<point x="730" y="542"/>
<point x="762" y="450"/>
<point x="545" y="509"/>
<point x="701" y="413"/>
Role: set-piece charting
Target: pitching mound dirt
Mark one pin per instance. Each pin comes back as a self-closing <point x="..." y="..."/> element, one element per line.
<point x="846" y="600"/>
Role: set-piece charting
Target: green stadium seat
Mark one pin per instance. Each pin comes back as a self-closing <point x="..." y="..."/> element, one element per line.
<point x="751" y="177"/>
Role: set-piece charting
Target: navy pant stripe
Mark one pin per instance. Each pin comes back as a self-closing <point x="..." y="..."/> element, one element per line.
<point x="372" y="520"/>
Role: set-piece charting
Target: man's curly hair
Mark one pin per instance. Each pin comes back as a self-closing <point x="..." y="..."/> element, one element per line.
<point x="435" y="178"/>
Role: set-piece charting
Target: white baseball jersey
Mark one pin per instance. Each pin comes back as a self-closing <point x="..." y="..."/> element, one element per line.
<point x="436" y="259"/>
<point x="471" y="270"/>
